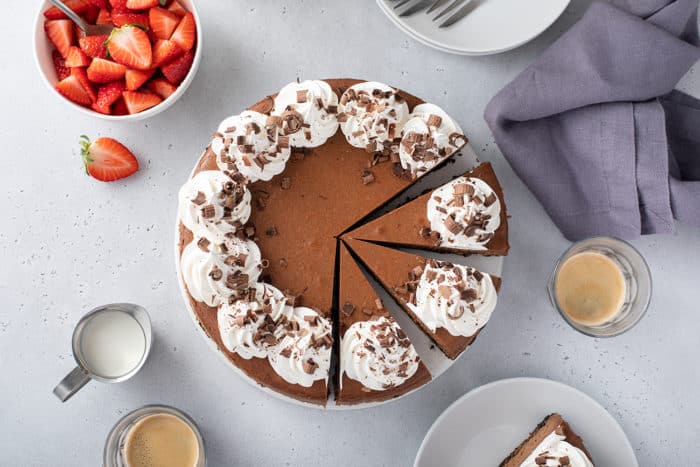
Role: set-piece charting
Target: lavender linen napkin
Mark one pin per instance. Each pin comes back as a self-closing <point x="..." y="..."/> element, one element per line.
<point x="595" y="129"/>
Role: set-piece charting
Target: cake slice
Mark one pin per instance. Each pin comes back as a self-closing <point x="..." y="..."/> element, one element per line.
<point x="553" y="443"/>
<point x="377" y="360"/>
<point x="465" y="215"/>
<point x="450" y="302"/>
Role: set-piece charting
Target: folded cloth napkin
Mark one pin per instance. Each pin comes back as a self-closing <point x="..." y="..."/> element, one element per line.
<point x="595" y="129"/>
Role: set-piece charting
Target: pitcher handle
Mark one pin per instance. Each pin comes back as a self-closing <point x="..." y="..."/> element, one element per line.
<point x="71" y="384"/>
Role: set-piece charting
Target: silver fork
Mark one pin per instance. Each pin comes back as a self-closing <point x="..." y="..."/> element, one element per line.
<point x="456" y="9"/>
<point x="88" y="29"/>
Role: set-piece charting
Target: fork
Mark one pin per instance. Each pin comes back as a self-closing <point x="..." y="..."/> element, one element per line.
<point x="88" y="29"/>
<point x="458" y="9"/>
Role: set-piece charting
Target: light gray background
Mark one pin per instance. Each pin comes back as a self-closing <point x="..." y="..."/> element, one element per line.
<point x="69" y="243"/>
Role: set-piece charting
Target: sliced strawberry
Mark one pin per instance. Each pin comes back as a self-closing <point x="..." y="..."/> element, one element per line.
<point x="136" y="78"/>
<point x="120" y="108"/>
<point x="94" y="46"/>
<point x="59" y="63"/>
<point x="102" y="4"/>
<point x="118" y="6"/>
<point x="71" y="89"/>
<point x="163" y="22"/>
<point x="78" y="6"/>
<point x="165" y="52"/>
<point x="91" y="14"/>
<point x="84" y="81"/>
<point x="176" y="8"/>
<point x="141" y="4"/>
<point x="139" y="101"/>
<point x="107" y="95"/>
<point x="76" y="57"/>
<point x="176" y="70"/>
<point x="130" y="46"/>
<point x="185" y="32"/>
<point x="106" y="159"/>
<point x="105" y="71"/>
<point x="104" y="17"/>
<point x="162" y="87"/>
<point x="122" y="19"/>
<point x="61" y="34"/>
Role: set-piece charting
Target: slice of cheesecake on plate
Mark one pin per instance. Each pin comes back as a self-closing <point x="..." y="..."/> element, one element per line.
<point x="377" y="360"/>
<point x="466" y="215"/>
<point x="450" y="302"/>
<point x="553" y="444"/>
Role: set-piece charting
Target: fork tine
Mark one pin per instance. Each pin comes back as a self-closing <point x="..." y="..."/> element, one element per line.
<point x="414" y="9"/>
<point x="465" y="10"/>
<point x="450" y="7"/>
<point x="435" y="4"/>
<point x="402" y="3"/>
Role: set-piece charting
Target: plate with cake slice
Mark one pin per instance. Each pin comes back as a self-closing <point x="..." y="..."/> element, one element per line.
<point x="526" y="422"/>
<point x="284" y="281"/>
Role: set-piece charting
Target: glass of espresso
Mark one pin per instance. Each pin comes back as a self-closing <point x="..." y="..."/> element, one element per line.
<point x="155" y="436"/>
<point x="601" y="286"/>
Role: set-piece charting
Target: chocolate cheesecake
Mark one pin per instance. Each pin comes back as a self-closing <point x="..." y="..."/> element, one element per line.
<point x="450" y="302"/>
<point x="552" y="443"/>
<point x="261" y="216"/>
<point x="466" y="215"/>
<point x="377" y="360"/>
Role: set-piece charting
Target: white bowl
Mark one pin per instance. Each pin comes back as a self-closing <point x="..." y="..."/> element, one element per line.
<point x="43" y="49"/>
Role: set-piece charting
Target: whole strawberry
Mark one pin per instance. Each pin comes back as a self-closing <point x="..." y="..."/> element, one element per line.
<point x="106" y="159"/>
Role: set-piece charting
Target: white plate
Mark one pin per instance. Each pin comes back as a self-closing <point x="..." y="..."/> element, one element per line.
<point x="492" y="27"/>
<point x="433" y="358"/>
<point x="482" y="427"/>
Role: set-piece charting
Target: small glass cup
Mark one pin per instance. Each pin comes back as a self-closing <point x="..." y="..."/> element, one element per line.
<point x="113" y="452"/>
<point x="637" y="280"/>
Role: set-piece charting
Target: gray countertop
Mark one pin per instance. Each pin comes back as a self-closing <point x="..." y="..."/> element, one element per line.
<point x="69" y="243"/>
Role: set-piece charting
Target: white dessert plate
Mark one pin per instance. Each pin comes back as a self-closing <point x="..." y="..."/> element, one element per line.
<point x="482" y="427"/>
<point x="433" y="358"/>
<point x="492" y="26"/>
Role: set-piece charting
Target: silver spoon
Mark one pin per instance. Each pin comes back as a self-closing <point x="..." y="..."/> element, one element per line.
<point x="88" y="29"/>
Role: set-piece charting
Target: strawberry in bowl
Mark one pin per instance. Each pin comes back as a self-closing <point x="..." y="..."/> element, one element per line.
<point x="137" y="70"/>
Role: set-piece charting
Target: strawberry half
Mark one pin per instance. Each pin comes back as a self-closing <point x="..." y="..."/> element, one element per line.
<point x="162" y="87"/>
<point x="120" y="108"/>
<point x="105" y="71"/>
<point x="61" y="34"/>
<point x="108" y="95"/>
<point x="141" y="4"/>
<point x="165" y="51"/>
<point x="176" y="70"/>
<point x="104" y="17"/>
<point x="139" y="101"/>
<point x="78" y="6"/>
<point x="163" y="22"/>
<point x="176" y="8"/>
<point x="136" y="78"/>
<point x="59" y="63"/>
<point x="136" y="19"/>
<point x="82" y="77"/>
<point x="71" y="89"/>
<point x="118" y="6"/>
<point x="185" y="32"/>
<point x="99" y="3"/>
<point x="76" y="57"/>
<point x="93" y="46"/>
<point x="106" y="159"/>
<point x="130" y="46"/>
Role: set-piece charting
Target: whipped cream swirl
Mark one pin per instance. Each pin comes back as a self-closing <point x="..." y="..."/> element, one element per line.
<point x="429" y="137"/>
<point x="306" y="113"/>
<point x="554" y="451"/>
<point x="248" y="325"/>
<point x="378" y="354"/>
<point x="217" y="272"/>
<point x="302" y="354"/>
<point x="245" y="144"/>
<point x="372" y="116"/>
<point x="212" y="205"/>
<point x="465" y="212"/>
<point x="451" y="296"/>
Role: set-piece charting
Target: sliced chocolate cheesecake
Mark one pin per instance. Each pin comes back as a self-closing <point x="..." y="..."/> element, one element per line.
<point x="466" y="215"/>
<point x="553" y="444"/>
<point x="377" y="360"/>
<point x="450" y="302"/>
